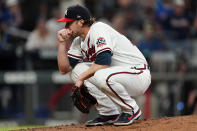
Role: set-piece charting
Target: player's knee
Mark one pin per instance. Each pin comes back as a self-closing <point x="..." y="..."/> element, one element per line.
<point x="100" y="78"/>
<point x="78" y="70"/>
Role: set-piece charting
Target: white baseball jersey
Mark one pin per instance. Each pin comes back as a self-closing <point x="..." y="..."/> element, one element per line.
<point x="102" y="37"/>
<point x="127" y="76"/>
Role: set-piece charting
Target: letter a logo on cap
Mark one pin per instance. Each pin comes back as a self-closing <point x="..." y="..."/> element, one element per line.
<point x="66" y="12"/>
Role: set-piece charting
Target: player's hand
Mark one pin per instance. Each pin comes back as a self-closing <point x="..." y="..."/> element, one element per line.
<point x="63" y="35"/>
<point x="79" y="83"/>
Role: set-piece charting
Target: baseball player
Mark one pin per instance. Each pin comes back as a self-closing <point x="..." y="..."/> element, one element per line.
<point x="114" y="71"/>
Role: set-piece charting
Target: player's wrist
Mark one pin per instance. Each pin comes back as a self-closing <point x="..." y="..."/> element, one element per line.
<point x="62" y="45"/>
<point x="63" y="41"/>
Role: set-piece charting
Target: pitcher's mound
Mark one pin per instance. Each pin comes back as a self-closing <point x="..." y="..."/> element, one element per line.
<point x="180" y="123"/>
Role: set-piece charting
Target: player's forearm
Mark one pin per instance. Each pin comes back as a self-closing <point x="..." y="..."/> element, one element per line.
<point x="63" y="62"/>
<point x="90" y="72"/>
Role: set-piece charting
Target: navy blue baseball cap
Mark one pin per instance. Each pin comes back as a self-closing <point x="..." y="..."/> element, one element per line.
<point x="76" y="12"/>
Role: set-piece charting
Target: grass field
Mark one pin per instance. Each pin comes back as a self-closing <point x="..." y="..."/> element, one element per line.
<point x="19" y="127"/>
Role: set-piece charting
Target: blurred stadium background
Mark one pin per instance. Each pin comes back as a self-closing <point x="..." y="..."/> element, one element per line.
<point x="33" y="92"/>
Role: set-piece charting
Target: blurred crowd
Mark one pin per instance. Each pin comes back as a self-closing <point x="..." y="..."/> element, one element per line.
<point x="155" y="26"/>
<point x="164" y="30"/>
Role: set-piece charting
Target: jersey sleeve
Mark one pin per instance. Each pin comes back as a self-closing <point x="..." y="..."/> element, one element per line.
<point x="75" y="50"/>
<point x="102" y="41"/>
<point x="103" y="58"/>
<point x="73" y="62"/>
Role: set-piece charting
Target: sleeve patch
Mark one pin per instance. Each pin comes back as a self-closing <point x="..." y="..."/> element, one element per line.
<point x="100" y="42"/>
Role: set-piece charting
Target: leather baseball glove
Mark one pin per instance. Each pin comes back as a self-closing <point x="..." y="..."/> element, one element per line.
<point x="82" y="99"/>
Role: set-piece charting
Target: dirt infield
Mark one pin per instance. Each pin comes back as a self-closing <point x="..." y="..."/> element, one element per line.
<point x="181" y="123"/>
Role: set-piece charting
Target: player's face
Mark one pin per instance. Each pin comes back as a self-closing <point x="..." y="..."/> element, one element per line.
<point x="74" y="27"/>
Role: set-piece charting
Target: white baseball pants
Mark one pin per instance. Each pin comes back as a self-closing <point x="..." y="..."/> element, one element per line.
<point x="114" y="87"/>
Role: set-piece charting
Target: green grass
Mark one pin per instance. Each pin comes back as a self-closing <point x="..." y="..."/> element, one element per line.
<point x="19" y="127"/>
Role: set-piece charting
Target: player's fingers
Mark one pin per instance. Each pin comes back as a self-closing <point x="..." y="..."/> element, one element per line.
<point x="68" y="31"/>
<point x="64" y="34"/>
<point x="61" y="34"/>
<point x="60" y="38"/>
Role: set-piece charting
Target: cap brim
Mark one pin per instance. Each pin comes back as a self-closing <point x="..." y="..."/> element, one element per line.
<point x="65" y="20"/>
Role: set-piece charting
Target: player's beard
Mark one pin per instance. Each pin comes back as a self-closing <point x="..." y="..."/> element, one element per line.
<point x="74" y="35"/>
